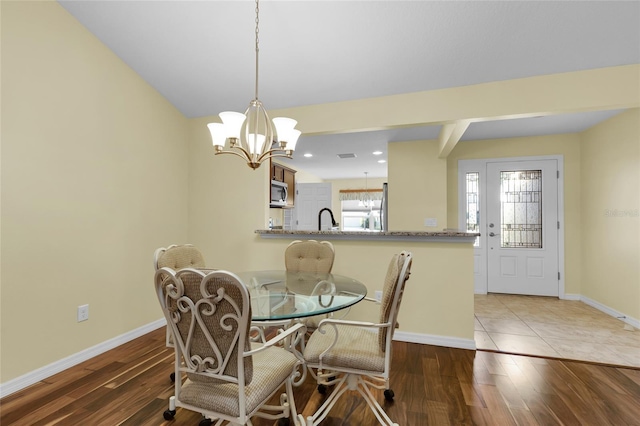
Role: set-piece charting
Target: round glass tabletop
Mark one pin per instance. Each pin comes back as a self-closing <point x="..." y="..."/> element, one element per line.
<point x="277" y="295"/>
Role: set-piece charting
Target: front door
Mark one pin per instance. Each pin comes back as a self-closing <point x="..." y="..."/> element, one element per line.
<point x="522" y="227"/>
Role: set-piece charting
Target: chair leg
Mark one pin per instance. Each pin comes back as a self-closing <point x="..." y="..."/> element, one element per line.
<point x="171" y="412"/>
<point x="351" y="382"/>
<point x="205" y="422"/>
<point x="380" y="414"/>
<point x="340" y="388"/>
<point x="389" y="394"/>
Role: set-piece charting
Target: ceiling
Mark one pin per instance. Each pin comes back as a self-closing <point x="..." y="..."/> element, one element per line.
<point x="200" y="56"/>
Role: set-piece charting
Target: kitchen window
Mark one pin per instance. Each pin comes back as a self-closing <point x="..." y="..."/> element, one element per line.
<point x="361" y="216"/>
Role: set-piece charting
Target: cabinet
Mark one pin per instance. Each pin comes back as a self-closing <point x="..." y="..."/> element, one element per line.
<point x="284" y="174"/>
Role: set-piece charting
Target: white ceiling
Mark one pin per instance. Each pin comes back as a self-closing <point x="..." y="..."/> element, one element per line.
<point x="200" y="56"/>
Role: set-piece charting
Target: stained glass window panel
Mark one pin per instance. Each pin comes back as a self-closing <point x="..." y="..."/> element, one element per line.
<point x="521" y="209"/>
<point x="473" y="205"/>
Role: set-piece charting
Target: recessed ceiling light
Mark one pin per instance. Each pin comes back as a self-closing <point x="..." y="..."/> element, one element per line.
<point x="308" y="155"/>
<point x="382" y="161"/>
<point x="377" y="152"/>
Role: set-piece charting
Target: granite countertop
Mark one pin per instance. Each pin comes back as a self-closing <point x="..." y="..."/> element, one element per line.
<point x="448" y="236"/>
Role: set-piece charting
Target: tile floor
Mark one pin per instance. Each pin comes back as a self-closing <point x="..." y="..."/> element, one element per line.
<point x="547" y="326"/>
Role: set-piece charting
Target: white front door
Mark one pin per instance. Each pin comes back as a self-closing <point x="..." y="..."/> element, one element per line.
<point x="310" y="199"/>
<point x="522" y="227"/>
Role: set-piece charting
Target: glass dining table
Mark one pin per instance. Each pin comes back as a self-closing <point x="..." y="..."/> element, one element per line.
<point x="283" y="295"/>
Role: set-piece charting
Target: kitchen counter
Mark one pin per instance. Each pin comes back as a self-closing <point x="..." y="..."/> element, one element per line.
<point x="453" y="236"/>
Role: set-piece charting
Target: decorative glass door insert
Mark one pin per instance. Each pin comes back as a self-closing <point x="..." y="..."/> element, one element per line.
<point x="521" y="209"/>
<point x="473" y="204"/>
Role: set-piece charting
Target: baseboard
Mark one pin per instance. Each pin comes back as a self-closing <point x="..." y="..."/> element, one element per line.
<point x="610" y="311"/>
<point x="40" y="374"/>
<point x="569" y="296"/>
<point x="431" y="339"/>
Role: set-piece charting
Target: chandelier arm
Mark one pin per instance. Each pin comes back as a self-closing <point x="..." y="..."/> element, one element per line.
<point x="244" y="155"/>
<point x="272" y="154"/>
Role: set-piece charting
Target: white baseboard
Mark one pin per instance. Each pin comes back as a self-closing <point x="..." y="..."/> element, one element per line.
<point x="35" y="376"/>
<point x="569" y="296"/>
<point x="610" y="311"/>
<point x="431" y="339"/>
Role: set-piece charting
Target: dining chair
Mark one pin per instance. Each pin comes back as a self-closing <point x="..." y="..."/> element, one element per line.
<point x="310" y="256"/>
<point x="176" y="257"/>
<point x="228" y="377"/>
<point x="356" y="355"/>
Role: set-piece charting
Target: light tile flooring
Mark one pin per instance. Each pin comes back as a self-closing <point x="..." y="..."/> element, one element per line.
<point x="547" y="326"/>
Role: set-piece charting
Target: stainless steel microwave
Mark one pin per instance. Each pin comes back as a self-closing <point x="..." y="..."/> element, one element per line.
<point x="278" y="193"/>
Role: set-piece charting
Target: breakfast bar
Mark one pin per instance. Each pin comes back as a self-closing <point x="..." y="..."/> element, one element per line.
<point x="437" y="308"/>
<point x="452" y="236"/>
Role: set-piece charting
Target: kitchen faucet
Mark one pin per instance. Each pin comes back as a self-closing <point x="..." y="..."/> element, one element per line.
<point x="333" y="221"/>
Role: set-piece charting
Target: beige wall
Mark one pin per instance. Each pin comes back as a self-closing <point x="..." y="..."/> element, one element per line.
<point x="610" y="206"/>
<point x="566" y="145"/>
<point x="589" y="90"/>
<point x="94" y="171"/>
<point x="417" y="186"/>
<point x="227" y="202"/>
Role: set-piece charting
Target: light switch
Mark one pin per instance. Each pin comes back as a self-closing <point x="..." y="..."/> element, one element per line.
<point x="430" y="222"/>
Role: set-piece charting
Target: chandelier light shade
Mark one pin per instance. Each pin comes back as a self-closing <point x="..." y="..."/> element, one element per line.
<point x="253" y="136"/>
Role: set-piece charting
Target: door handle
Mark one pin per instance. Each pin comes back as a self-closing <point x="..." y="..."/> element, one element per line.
<point x="493" y="234"/>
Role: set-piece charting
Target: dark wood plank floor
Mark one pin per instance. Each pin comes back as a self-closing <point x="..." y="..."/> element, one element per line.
<point x="434" y="385"/>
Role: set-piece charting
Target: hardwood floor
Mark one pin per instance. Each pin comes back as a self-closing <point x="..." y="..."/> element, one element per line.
<point x="434" y="385"/>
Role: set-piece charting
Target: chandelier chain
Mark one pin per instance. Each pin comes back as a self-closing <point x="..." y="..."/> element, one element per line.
<point x="257" y="42"/>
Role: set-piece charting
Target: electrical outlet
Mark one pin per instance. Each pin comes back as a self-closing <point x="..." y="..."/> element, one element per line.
<point x="379" y="296"/>
<point x="83" y="313"/>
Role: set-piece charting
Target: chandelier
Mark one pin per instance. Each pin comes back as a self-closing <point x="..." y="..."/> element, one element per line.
<point x="252" y="135"/>
<point x="366" y="201"/>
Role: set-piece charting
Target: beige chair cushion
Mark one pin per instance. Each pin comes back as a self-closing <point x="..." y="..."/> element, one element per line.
<point x="309" y="256"/>
<point x="178" y="257"/>
<point x="357" y="348"/>
<point x="273" y="365"/>
<point x="388" y="292"/>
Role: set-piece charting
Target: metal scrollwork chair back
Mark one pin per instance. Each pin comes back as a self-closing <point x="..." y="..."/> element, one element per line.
<point x="176" y="257"/>
<point x="228" y="378"/>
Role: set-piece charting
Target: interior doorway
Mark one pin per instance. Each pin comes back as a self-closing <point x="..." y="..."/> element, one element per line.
<point x="310" y="199"/>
